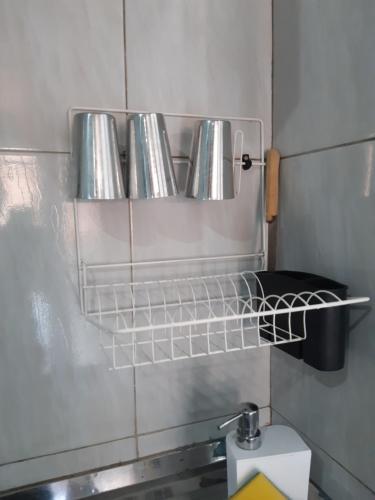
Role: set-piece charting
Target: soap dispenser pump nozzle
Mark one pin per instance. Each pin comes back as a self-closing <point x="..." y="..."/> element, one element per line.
<point x="248" y="433"/>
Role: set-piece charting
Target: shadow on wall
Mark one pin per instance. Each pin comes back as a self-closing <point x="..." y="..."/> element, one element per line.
<point x="214" y="374"/>
<point x="336" y="378"/>
<point x="332" y="379"/>
<point x="320" y="471"/>
<point x="205" y="405"/>
<point x="360" y="312"/>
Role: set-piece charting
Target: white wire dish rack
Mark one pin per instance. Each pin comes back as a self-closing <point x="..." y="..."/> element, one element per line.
<point x="156" y="321"/>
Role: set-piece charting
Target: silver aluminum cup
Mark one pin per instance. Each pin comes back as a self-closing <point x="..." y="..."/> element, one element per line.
<point x="96" y="152"/>
<point x="210" y="175"/>
<point x="149" y="165"/>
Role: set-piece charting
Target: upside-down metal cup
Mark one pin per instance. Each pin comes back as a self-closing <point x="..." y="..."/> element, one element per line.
<point x="96" y="152"/>
<point x="210" y="175"/>
<point x="149" y="165"/>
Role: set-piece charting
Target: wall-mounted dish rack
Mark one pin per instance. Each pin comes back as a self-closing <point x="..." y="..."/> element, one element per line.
<point x="156" y="321"/>
<point x="160" y="311"/>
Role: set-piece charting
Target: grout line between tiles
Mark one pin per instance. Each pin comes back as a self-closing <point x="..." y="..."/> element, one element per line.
<point x="324" y="451"/>
<point x="194" y="422"/>
<point x="131" y="239"/>
<point x="134" y="368"/>
<point x="270" y="239"/>
<point x="272" y="66"/>
<point x="125" y="54"/>
<point x="119" y="439"/>
<point x="328" y="148"/>
<point x="272" y="227"/>
<point x="62" y="452"/>
<point x="31" y="151"/>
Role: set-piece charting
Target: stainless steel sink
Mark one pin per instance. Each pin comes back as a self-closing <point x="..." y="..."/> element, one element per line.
<point x="197" y="472"/>
<point x="191" y="473"/>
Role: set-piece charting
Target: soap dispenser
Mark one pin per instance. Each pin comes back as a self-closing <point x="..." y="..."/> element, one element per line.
<point x="277" y="451"/>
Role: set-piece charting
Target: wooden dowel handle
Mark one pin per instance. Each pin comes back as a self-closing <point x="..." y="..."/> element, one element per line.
<point x="272" y="184"/>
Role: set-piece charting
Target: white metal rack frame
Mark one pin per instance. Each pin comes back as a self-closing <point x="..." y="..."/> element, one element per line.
<point x="159" y="320"/>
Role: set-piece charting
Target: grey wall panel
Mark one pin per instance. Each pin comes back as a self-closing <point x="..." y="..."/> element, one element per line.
<point x="337" y="482"/>
<point x="327" y="226"/>
<point x="323" y="71"/>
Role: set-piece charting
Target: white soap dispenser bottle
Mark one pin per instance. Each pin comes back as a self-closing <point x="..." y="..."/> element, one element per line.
<point x="276" y="451"/>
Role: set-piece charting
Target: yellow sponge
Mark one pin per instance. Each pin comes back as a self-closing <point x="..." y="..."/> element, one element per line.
<point x="259" y="488"/>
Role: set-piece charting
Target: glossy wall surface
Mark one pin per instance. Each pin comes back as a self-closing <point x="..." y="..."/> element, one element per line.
<point x="323" y="95"/>
<point x="61" y="410"/>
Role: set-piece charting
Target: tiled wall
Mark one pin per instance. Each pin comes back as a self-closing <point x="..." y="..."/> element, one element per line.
<point x="323" y="124"/>
<point x="61" y="411"/>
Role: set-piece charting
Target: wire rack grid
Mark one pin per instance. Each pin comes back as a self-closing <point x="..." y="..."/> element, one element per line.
<point x="157" y="321"/>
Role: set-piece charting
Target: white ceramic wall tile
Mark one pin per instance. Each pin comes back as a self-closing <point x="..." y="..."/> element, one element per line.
<point x="209" y="57"/>
<point x="104" y="231"/>
<point x="60" y="54"/>
<point x="327" y="226"/>
<point x="323" y="73"/>
<point x="67" y="463"/>
<point x="171" y="439"/>
<point x="57" y="54"/>
<point x="217" y="74"/>
<point x="55" y="390"/>
<point x="188" y="391"/>
<point x="333" y="479"/>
